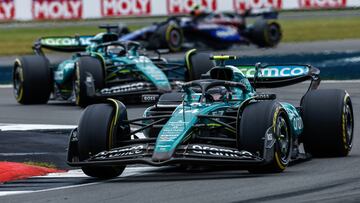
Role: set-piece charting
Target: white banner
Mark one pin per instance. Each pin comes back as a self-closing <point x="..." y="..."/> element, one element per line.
<point x="85" y="9"/>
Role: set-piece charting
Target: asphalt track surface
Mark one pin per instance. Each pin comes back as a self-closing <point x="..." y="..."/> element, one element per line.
<point x="317" y="180"/>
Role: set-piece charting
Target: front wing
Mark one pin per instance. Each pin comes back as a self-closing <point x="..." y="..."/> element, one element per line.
<point x="189" y="154"/>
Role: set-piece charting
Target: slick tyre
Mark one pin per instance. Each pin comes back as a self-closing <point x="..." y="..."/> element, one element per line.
<point x="97" y="132"/>
<point x="167" y="36"/>
<point x="265" y="33"/>
<point x="259" y="119"/>
<point x="87" y="67"/>
<point x="197" y="64"/>
<point x="328" y="123"/>
<point x="32" y="80"/>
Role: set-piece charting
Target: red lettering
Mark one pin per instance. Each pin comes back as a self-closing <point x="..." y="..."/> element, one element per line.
<point x="322" y="3"/>
<point x="185" y="6"/>
<point x="7" y="10"/>
<point x="243" y="5"/>
<point x="125" y="7"/>
<point x="57" y="9"/>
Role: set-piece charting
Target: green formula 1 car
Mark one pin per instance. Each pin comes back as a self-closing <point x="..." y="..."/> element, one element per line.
<point x="218" y="120"/>
<point x="107" y="68"/>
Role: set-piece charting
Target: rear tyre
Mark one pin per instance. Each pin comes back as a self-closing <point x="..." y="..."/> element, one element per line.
<point x="167" y="36"/>
<point x="32" y="80"/>
<point x="257" y="120"/>
<point x="96" y="133"/>
<point x="197" y="64"/>
<point x="265" y="33"/>
<point x="87" y="67"/>
<point x="328" y="123"/>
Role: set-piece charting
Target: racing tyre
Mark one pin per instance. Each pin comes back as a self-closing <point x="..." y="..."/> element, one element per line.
<point x="32" y="80"/>
<point x="265" y="33"/>
<point x="87" y="67"/>
<point x="197" y="64"/>
<point x="257" y="121"/>
<point x="328" y="123"/>
<point x="167" y="36"/>
<point x="97" y="132"/>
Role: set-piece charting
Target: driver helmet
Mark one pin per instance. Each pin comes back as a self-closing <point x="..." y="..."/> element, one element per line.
<point x="116" y="50"/>
<point x="196" y="10"/>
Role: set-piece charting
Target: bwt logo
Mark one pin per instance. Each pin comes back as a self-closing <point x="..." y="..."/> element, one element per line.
<point x="125" y="7"/>
<point x="185" y="6"/>
<point x="322" y="3"/>
<point x="7" y="10"/>
<point x="57" y="9"/>
<point x="243" y="5"/>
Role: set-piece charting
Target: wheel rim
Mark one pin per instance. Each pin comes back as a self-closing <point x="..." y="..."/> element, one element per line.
<point x="283" y="138"/>
<point x="17" y="81"/>
<point x="274" y="34"/>
<point x="348" y="124"/>
<point x="175" y="38"/>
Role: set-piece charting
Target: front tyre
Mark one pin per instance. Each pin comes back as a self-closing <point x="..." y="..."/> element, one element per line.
<point x="328" y="123"/>
<point x="87" y="67"/>
<point x="197" y="64"/>
<point x="259" y="119"/>
<point x="32" y="80"/>
<point x="97" y="132"/>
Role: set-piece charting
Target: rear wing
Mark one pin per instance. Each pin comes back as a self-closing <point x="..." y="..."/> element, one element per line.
<point x="62" y="43"/>
<point x="270" y="76"/>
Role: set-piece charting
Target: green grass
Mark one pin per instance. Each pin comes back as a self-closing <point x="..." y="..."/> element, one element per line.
<point x="320" y="29"/>
<point x="41" y="164"/>
<point x="15" y="41"/>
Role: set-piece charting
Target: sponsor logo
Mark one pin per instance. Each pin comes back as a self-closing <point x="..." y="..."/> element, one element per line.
<point x="149" y="97"/>
<point x="58" y="75"/>
<point x="123" y="88"/>
<point x="243" y="5"/>
<point x="7" y="9"/>
<point x="128" y="151"/>
<point x="57" y="9"/>
<point x="185" y="6"/>
<point x="322" y="3"/>
<point x="276" y="71"/>
<point x="125" y="7"/>
<point x="298" y="124"/>
<point x="227" y="33"/>
<point x="66" y="41"/>
<point x="215" y="151"/>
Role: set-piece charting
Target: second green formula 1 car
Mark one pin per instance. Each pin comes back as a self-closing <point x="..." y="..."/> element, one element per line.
<point x="220" y="120"/>
<point x="107" y="68"/>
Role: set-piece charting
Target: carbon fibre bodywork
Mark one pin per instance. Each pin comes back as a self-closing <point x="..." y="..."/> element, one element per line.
<point x="128" y="74"/>
<point x="204" y="126"/>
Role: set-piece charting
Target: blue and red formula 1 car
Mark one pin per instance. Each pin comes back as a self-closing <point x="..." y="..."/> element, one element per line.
<point x="214" y="30"/>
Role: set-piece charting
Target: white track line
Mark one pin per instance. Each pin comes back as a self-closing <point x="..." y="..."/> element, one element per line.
<point x="130" y="171"/>
<point x="24" y="127"/>
<point x="6" y="86"/>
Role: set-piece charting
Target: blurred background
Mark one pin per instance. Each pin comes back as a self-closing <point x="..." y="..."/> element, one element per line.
<point x="324" y="33"/>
